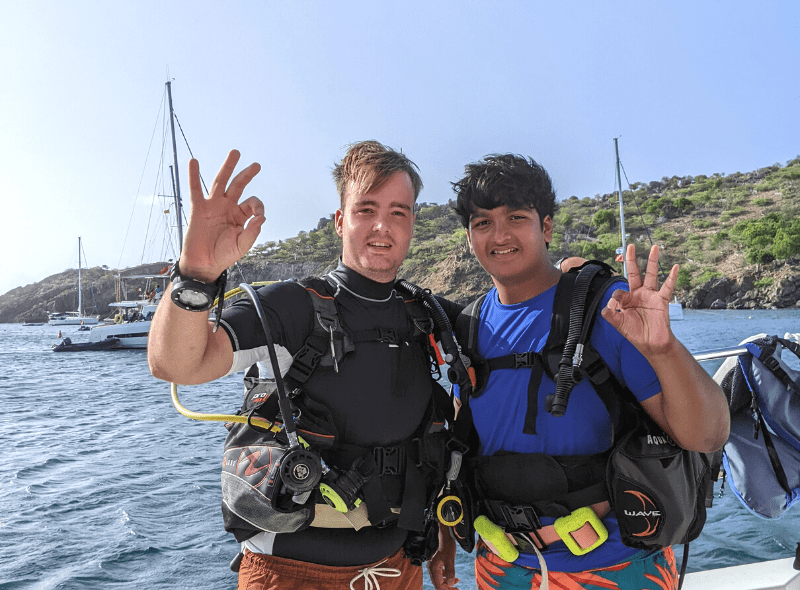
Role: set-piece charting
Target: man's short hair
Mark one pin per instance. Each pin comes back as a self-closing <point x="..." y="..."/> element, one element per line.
<point x="367" y="165"/>
<point x="504" y="179"/>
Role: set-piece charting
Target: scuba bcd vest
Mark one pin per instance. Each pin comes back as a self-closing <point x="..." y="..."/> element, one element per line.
<point x="761" y="459"/>
<point x="657" y="490"/>
<point x="405" y="476"/>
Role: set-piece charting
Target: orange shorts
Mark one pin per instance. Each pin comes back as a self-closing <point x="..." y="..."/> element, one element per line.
<point x="267" y="572"/>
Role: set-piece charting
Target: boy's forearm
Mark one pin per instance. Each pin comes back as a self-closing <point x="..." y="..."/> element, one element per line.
<point x="694" y="407"/>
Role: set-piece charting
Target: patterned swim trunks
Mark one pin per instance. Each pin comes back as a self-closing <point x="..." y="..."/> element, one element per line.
<point x="656" y="571"/>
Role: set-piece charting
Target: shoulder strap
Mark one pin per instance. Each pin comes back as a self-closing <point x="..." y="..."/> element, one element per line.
<point x="466" y="327"/>
<point x="326" y="337"/>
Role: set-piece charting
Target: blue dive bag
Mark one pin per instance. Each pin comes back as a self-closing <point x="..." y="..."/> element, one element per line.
<point x="762" y="456"/>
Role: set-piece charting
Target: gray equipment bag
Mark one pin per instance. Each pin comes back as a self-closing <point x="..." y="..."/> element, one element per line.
<point x="762" y="456"/>
<point x="658" y="489"/>
<point x="252" y="491"/>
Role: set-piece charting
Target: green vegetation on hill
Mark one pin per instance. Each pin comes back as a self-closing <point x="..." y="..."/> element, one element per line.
<point x="740" y="229"/>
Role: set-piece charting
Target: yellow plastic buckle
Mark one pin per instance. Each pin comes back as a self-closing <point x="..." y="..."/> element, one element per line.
<point x="567" y="525"/>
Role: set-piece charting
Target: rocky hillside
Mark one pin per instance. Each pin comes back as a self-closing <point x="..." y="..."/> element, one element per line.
<point x="736" y="237"/>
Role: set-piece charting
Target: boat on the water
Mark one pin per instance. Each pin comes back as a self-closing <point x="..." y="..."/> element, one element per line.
<point x="130" y="325"/>
<point x="33" y="323"/>
<point x="67" y="345"/>
<point x="766" y="575"/>
<point x="73" y="318"/>
<point x="132" y="318"/>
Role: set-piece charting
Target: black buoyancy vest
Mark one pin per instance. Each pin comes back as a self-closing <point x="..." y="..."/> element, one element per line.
<point x="569" y="482"/>
<point x="406" y="474"/>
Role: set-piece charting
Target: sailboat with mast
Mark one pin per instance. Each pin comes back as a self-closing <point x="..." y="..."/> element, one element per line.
<point x="73" y="318"/>
<point x="675" y="307"/>
<point x="133" y="317"/>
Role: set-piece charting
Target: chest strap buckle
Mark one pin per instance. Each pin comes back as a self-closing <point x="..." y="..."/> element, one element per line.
<point x="388" y="336"/>
<point x="523" y="360"/>
<point x="389" y="460"/>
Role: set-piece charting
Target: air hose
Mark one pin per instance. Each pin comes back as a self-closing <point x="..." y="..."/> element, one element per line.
<point x="457" y="370"/>
<point x="569" y="366"/>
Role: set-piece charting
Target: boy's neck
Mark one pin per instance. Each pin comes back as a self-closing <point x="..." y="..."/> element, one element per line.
<point x="519" y="289"/>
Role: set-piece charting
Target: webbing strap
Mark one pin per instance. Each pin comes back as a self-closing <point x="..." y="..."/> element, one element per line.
<point x="771" y="362"/>
<point x="529" y="427"/>
<point x="780" y="474"/>
<point x="524" y="360"/>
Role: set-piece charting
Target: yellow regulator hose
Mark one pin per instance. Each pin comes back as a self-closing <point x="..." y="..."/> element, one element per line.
<point x="192" y="415"/>
<point x="261" y="422"/>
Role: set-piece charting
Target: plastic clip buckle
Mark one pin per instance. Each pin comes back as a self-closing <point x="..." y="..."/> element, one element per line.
<point x="388" y="336"/>
<point x="519" y="518"/>
<point x="567" y="525"/>
<point x="523" y="360"/>
<point x="389" y="460"/>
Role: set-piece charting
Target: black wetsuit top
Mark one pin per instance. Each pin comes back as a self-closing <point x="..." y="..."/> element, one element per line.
<point x="378" y="397"/>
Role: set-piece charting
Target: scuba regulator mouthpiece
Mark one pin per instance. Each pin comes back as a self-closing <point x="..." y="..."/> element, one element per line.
<point x="341" y="490"/>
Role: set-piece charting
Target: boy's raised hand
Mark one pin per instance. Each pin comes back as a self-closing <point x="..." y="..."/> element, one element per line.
<point x="642" y="314"/>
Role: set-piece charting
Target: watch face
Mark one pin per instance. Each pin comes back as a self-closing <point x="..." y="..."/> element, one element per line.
<point x="192" y="298"/>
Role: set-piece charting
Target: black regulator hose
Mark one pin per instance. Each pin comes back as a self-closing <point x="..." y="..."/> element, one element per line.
<point x="283" y="400"/>
<point x="300" y="468"/>
<point x="457" y="370"/>
<point x="569" y="366"/>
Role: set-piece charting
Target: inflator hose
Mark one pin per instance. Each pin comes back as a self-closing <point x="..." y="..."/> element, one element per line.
<point x="568" y="367"/>
<point x="456" y="371"/>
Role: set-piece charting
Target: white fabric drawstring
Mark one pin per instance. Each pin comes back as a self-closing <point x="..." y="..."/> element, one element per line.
<point x="371" y="574"/>
<point x="545" y="585"/>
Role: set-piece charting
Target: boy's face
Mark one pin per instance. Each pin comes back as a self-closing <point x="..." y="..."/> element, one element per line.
<point x="376" y="228"/>
<point x="510" y="244"/>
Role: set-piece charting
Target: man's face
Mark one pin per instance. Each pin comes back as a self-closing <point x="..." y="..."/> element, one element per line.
<point x="510" y="244"/>
<point x="376" y="228"/>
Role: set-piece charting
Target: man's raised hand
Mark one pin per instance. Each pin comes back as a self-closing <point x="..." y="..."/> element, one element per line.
<point x="221" y="230"/>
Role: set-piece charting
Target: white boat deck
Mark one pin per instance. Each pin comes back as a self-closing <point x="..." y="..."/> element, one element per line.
<point x="766" y="575"/>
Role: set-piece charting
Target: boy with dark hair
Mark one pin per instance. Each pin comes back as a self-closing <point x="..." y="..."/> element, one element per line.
<point x="506" y="203"/>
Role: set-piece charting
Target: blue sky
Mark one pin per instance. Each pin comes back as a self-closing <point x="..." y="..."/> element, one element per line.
<point x="689" y="87"/>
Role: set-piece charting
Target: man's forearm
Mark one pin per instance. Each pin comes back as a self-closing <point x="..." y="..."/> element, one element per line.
<point x="182" y="347"/>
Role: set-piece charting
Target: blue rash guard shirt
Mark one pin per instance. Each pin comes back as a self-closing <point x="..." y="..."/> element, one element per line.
<point x="585" y="428"/>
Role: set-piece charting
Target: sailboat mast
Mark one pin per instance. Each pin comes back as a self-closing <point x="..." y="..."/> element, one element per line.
<point x="80" y="302"/>
<point x="175" y="170"/>
<point x="621" y="211"/>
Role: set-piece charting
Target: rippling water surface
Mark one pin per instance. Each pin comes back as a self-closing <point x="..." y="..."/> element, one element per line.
<point x="104" y="485"/>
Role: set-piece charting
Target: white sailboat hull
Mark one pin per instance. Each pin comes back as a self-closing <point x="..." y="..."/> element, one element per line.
<point x="130" y="334"/>
<point x="73" y="321"/>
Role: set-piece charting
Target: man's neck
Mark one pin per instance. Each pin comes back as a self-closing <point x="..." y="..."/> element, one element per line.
<point x="360" y="285"/>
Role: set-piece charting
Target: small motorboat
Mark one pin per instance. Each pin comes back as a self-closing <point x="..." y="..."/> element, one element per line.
<point x="68" y="345"/>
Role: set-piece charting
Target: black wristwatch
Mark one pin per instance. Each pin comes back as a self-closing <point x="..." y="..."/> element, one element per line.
<point x="193" y="295"/>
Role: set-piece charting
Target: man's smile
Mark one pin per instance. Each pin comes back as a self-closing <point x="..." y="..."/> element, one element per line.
<point x="379" y="244"/>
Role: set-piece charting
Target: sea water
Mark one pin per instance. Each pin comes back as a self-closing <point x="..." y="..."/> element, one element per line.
<point x="103" y="485"/>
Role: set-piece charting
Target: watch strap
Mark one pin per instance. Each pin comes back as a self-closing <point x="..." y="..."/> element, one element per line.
<point x="215" y="290"/>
